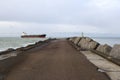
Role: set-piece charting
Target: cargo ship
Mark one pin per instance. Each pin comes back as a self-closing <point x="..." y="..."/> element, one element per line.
<point x="25" y="35"/>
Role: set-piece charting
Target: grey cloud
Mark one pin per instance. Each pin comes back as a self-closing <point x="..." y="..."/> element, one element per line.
<point x="77" y="12"/>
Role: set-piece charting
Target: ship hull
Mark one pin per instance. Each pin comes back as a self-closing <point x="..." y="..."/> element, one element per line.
<point x="33" y="36"/>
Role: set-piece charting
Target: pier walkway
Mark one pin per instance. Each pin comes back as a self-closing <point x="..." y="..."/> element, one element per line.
<point x="56" y="61"/>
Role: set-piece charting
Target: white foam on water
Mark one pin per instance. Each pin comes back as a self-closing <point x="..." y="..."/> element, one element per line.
<point x="16" y="42"/>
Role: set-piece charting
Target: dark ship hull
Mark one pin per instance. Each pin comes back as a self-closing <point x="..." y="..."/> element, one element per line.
<point x="34" y="36"/>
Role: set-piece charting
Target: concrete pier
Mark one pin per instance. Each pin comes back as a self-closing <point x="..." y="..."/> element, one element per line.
<point x="56" y="61"/>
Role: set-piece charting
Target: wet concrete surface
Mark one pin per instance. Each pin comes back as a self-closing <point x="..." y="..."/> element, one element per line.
<point x="56" y="61"/>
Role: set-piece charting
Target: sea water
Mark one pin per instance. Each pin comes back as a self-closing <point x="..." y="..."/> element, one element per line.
<point x="15" y="42"/>
<point x="110" y="40"/>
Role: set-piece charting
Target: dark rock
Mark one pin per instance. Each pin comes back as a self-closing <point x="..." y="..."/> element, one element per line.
<point x="29" y="47"/>
<point x="7" y="51"/>
<point x="20" y="49"/>
<point x="39" y="42"/>
<point x="11" y="49"/>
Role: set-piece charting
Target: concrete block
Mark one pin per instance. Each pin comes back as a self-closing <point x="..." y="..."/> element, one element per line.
<point x="115" y="52"/>
<point x="104" y="49"/>
<point x="77" y="40"/>
<point x="93" y="45"/>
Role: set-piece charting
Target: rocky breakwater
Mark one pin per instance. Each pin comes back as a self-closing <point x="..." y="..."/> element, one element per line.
<point x="106" y="51"/>
<point x="115" y="52"/>
<point x="84" y="43"/>
<point x="11" y="57"/>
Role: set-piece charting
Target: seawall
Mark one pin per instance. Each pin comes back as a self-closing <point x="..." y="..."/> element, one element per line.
<point x="85" y="43"/>
<point x="11" y="57"/>
<point x="56" y="61"/>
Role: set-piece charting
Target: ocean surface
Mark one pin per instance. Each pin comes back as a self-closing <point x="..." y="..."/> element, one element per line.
<point x="15" y="42"/>
<point x="110" y="40"/>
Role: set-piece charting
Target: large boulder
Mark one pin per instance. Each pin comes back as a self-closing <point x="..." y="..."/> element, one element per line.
<point x="77" y="40"/>
<point x="7" y="51"/>
<point x="81" y="42"/>
<point x="104" y="49"/>
<point x="93" y="45"/>
<point x="115" y="52"/>
<point x="85" y="43"/>
<point x="20" y="49"/>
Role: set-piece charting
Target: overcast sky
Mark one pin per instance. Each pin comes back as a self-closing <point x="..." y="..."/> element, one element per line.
<point x="51" y="16"/>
